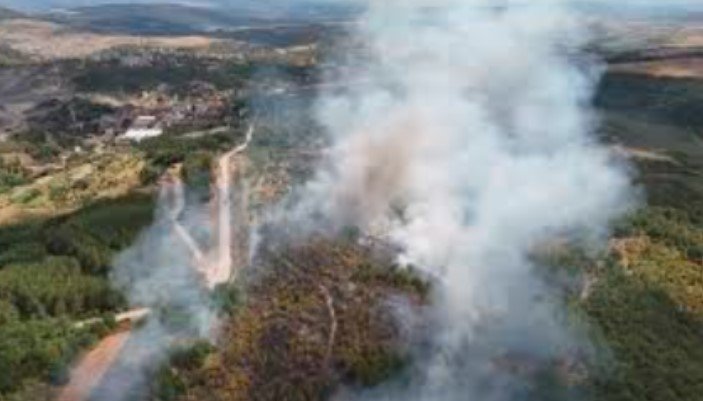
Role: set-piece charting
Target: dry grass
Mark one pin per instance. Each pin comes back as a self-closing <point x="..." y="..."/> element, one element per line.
<point x="664" y="266"/>
<point x="100" y="177"/>
<point x="49" y="41"/>
<point x="674" y="68"/>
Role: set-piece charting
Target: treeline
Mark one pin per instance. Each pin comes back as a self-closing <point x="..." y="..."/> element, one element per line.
<point x="38" y="350"/>
<point x="177" y="72"/>
<point x="671" y="101"/>
<point x="91" y="235"/>
<point x="52" y="274"/>
<point x="54" y="287"/>
<point x="64" y="122"/>
<point x="195" y="153"/>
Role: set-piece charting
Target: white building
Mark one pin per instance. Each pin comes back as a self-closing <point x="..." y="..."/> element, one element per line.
<point x="143" y="127"/>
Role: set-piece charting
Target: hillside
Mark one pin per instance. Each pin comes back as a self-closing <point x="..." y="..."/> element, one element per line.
<point x="42" y="40"/>
<point x="151" y="19"/>
<point x="178" y="19"/>
<point x="6" y="13"/>
<point x="320" y="305"/>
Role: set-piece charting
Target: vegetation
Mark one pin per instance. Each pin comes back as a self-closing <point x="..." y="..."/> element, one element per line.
<point x="53" y="272"/>
<point x="165" y="151"/>
<point x="79" y="181"/>
<point x="648" y="308"/>
<point x="38" y="349"/>
<point x="644" y="307"/>
<point x="315" y="319"/>
<point x="671" y="101"/>
<point x="10" y="57"/>
<point x="65" y="122"/>
<point x="12" y="174"/>
<point x="675" y="186"/>
<point x="176" y="72"/>
<point x="663" y="115"/>
<point x="656" y="346"/>
<point x="313" y="316"/>
<point x="671" y="227"/>
<point x="644" y="302"/>
<point x="55" y="287"/>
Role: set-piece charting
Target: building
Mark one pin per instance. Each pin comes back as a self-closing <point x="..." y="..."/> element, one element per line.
<point x="142" y="128"/>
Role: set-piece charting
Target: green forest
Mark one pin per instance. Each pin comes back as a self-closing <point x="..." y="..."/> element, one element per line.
<point x="53" y="273"/>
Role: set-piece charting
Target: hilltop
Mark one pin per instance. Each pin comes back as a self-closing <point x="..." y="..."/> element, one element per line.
<point x="6" y="13"/>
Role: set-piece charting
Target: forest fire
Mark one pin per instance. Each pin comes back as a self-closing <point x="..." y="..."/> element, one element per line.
<point x="214" y="267"/>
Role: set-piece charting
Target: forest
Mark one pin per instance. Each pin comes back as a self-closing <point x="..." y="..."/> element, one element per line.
<point x="53" y="273"/>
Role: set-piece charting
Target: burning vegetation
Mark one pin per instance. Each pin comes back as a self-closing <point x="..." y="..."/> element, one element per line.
<point x="305" y="321"/>
<point x="403" y="225"/>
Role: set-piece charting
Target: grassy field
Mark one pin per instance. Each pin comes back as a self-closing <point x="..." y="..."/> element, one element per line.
<point x="80" y="181"/>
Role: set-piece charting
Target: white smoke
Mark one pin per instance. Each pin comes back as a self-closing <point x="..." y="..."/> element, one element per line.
<point x="467" y="142"/>
<point x="160" y="272"/>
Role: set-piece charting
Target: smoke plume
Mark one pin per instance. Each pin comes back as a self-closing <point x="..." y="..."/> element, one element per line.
<point x="160" y="272"/>
<point x="467" y="140"/>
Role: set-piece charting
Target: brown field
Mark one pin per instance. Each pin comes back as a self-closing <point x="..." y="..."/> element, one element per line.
<point x="673" y="68"/>
<point x="668" y="50"/>
<point x="48" y="41"/>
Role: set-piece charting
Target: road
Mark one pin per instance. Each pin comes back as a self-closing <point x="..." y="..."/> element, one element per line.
<point x="220" y="271"/>
<point x="216" y="266"/>
<point x="89" y="372"/>
<point x="131" y="316"/>
<point x="92" y="368"/>
<point x="173" y="194"/>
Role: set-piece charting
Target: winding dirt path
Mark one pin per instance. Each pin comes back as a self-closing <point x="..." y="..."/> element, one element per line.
<point x="91" y="369"/>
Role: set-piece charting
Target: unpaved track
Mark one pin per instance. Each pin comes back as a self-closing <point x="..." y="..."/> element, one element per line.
<point x="92" y="368"/>
<point x="215" y="267"/>
<point x="132" y="316"/>
<point x="174" y="189"/>
<point x="220" y="270"/>
<point x="89" y="372"/>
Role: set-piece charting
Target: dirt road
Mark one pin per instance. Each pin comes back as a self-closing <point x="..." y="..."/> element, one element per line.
<point x="132" y="316"/>
<point x="92" y="368"/>
<point x="216" y="270"/>
<point x="172" y="196"/>
<point x="220" y="270"/>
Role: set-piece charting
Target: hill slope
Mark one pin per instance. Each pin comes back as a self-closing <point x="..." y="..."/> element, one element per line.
<point x="6" y="13"/>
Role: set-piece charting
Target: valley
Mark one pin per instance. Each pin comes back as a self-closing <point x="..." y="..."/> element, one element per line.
<point x="160" y="264"/>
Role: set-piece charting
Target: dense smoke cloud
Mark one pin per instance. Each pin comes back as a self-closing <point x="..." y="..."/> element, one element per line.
<point x="468" y="141"/>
